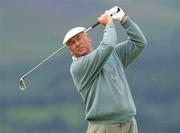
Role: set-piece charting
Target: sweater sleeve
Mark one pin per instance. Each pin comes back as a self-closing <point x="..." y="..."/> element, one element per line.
<point x="86" y="68"/>
<point x="132" y="47"/>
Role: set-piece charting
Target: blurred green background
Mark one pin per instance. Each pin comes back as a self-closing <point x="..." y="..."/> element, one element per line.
<point x="30" y="30"/>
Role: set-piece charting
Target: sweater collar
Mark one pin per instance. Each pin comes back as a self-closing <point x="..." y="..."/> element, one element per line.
<point x="74" y="58"/>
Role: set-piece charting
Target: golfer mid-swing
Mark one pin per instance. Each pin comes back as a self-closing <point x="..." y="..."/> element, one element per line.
<point x="99" y="74"/>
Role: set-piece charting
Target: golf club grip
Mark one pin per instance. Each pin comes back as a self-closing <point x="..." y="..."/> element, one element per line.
<point x="95" y="24"/>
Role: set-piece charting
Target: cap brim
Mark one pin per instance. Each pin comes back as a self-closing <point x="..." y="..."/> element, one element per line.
<point x="71" y="33"/>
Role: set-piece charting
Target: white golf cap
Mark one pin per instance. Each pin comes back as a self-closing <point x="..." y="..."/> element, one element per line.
<point x="71" y="33"/>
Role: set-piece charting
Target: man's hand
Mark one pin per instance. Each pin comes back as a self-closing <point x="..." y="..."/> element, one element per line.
<point x="117" y="13"/>
<point x="105" y="18"/>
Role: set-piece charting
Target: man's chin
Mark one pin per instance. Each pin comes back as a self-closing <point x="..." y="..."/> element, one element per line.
<point x="83" y="53"/>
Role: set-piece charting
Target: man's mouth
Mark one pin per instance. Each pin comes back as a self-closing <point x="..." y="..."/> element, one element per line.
<point x="80" y="49"/>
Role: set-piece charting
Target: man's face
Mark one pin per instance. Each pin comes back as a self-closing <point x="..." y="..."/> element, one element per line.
<point x="80" y="45"/>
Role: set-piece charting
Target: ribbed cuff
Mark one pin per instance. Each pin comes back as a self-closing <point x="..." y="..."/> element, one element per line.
<point x="127" y="22"/>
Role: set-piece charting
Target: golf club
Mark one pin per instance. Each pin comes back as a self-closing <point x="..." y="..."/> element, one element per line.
<point x="22" y="84"/>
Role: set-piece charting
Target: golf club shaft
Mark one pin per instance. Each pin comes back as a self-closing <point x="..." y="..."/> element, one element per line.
<point x="43" y="61"/>
<point x="57" y="51"/>
<point x="97" y="23"/>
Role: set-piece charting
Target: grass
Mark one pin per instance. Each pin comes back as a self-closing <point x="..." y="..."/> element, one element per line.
<point x="30" y="117"/>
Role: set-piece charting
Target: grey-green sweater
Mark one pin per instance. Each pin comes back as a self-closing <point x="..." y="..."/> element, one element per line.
<point x="100" y="78"/>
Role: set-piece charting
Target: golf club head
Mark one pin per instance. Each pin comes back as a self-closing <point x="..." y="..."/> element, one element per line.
<point x="22" y="84"/>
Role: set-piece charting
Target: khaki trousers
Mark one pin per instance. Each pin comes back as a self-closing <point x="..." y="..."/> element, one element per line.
<point x="129" y="127"/>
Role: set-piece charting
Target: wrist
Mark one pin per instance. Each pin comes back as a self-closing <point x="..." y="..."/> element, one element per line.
<point x="109" y="21"/>
<point x="124" y="18"/>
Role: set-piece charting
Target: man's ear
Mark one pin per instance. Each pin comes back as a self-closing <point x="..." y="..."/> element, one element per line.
<point x="89" y="37"/>
<point x="90" y="40"/>
<point x="69" y="50"/>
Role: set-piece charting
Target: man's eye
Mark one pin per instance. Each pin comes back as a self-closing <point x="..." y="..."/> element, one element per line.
<point x="70" y="43"/>
<point x="79" y="37"/>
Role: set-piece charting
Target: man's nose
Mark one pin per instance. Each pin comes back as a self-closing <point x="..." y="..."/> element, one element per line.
<point x="77" y="43"/>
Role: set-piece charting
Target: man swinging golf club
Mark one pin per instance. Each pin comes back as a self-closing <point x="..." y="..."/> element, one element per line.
<point x="99" y="74"/>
